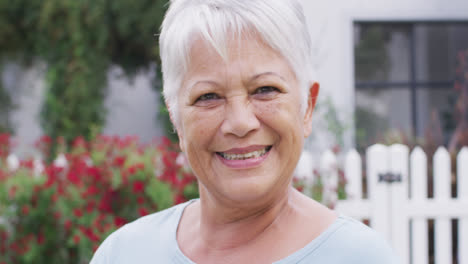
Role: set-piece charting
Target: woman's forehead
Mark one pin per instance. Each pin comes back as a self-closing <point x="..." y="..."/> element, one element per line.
<point x="249" y="52"/>
<point x="247" y="61"/>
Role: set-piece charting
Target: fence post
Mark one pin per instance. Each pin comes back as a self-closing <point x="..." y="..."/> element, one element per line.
<point x="442" y="193"/>
<point x="462" y="174"/>
<point x="305" y="167"/>
<point x="376" y="163"/>
<point x="353" y="174"/>
<point x="61" y="161"/>
<point x="38" y="167"/>
<point x="13" y="162"/>
<point x="399" y="193"/>
<point x="418" y="164"/>
<point x="329" y="174"/>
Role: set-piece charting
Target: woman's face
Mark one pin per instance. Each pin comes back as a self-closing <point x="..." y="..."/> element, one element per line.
<point x="241" y="124"/>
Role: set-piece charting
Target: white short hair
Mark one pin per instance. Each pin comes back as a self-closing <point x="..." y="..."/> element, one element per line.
<point x="281" y="24"/>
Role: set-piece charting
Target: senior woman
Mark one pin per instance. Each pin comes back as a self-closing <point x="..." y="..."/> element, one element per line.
<point x="239" y="86"/>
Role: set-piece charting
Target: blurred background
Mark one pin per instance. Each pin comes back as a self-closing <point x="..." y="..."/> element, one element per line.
<point x="81" y="106"/>
<point x="87" y="68"/>
<point x="79" y="69"/>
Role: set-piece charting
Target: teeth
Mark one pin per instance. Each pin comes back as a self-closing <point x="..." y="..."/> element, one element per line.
<point x="253" y="154"/>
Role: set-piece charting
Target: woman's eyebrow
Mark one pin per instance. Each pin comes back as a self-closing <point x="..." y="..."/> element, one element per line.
<point x="256" y="76"/>
<point x="253" y="78"/>
<point x="205" y="82"/>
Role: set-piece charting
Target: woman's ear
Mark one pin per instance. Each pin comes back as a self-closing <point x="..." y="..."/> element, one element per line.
<point x="181" y="144"/>
<point x="180" y="135"/>
<point x="176" y="128"/>
<point x="311" y="100"/>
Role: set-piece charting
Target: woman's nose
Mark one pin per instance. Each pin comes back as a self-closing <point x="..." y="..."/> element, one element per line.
<point x="239" y="119"/>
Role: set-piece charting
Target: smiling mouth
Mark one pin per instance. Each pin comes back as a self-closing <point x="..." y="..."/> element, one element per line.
<point x="244" y="156"/>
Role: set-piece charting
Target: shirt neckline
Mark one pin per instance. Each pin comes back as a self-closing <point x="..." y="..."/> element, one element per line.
<point x="180" y="257"/>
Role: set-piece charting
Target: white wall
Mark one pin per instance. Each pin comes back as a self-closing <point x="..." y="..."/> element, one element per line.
<point x="26" y="87"/>
<point x="132" y="105"/>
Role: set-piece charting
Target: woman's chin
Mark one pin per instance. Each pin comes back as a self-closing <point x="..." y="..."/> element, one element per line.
<point x="250" y="192"/>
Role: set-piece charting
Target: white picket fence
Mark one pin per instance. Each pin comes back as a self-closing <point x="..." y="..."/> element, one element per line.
<point x="400" y="210"/>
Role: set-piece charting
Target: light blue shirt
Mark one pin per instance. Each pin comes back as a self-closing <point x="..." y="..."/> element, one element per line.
<point x="152" y="239"/>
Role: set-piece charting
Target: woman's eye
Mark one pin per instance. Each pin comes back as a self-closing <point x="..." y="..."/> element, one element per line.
<point x="266" y="89"/>
<point x="208" y="97"/>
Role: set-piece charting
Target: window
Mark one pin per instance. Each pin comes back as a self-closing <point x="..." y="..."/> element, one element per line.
<point x="404" y="77"/>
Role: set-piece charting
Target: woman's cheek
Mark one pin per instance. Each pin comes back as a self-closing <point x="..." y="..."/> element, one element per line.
<point x="267" y="108"/>
<point x="203" y="121"/>
<point x="276" y="111"/>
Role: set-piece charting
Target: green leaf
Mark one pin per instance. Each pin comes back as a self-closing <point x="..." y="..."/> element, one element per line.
<point x="160" y="193"/>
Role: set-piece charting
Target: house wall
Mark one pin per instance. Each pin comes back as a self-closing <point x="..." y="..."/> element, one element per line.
<point x="132" y="105"/>
<point x="331" y="26"/>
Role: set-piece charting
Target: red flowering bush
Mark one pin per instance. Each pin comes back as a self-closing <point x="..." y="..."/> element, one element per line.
<point x="62" y="214"/>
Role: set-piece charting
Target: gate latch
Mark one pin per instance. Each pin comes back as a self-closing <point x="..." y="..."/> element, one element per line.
<point x="389" y="177"/>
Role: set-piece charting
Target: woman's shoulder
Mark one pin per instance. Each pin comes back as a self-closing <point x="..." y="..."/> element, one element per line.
<point x="161" y="221"/>
<point x="166" y="216"/>
<point x="142" y="239"/>
<point x="356" y="242"/>
<point x="345" y="241"/>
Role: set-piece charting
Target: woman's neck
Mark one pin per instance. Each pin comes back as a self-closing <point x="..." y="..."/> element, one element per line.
<point x="225" y="226"/>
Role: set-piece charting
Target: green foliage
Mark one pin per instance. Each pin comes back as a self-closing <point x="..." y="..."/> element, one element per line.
<point x="370" y="127"/>
<point x="333" y="121"/>
<point x="460" y="112"/>
<point x="371" y="51"/>
<point x="160" y="193"/>
<point x="79" y="40"/>
<point x="5" y="107"/>
<point x="164" y="118"/>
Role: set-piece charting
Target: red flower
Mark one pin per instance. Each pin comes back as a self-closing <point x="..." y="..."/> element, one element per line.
<point x="119" y="221"/>
<point x="57" y="215"/>
<point x="27" y="164"/>
<point x="119" y="161"/>
<point x="92" y="190"/>
<point x="138" y="186"/>
<point x="135" y="168"/>
<point x="68" y="225"/>
<point x="165" y="142"/>
<point x="79" y="142"/>
<point x="77" y="212"/>
<point x="52" y="175"/>
<point x="169" y="159"/>
<point x="12" y="191"/>
<point x="140" y="200"/>
<point x="76" y="239"/>
<point x="143" y="211"/>
<point x="95" y="173"/>
<point x="45" y="139"/>
<point x="90" y="206"/>
<point x="25" y="210"/>
<point x="88" y="232"/>
<point x="104" y="204"/>
<point x="179" y="199"/>
<point x="97" y="225"/>
<point x="40" y="239"/>
<point x="73" y="177"/>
